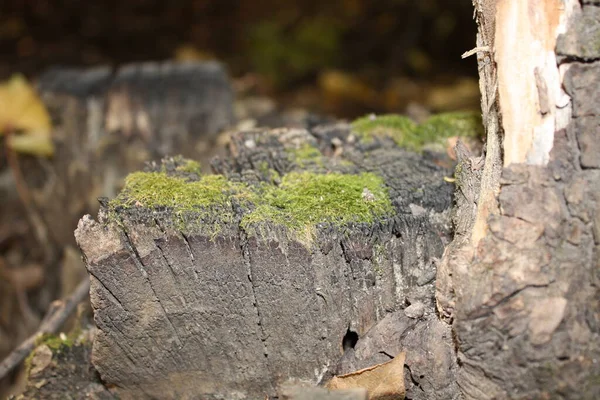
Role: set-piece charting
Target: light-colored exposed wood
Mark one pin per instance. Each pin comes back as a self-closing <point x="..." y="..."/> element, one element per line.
<point x="529" y="81"/>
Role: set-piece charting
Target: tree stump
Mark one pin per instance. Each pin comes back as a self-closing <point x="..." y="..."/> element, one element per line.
<point x="228" y="286"/>
<point x="108" y="123"/>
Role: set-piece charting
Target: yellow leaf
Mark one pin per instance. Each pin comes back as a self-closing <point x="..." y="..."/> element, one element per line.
<point x="33" y="143"/>
<point x="382" y="381"/>
<point x="22" y="110"/>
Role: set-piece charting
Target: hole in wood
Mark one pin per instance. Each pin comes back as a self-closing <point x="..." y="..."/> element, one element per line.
<point x="349" y="340"/>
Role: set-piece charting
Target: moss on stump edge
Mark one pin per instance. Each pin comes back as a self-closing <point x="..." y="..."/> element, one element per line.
<point x="299" y="202"/>
<point x="406" y="133"/>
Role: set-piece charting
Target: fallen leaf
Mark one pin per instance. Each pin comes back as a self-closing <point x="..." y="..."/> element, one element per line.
<point x="382" y="381"/>
<point x="35" y="143"/>
<point x="22" y="110"/>
<point x="40" y="384"/>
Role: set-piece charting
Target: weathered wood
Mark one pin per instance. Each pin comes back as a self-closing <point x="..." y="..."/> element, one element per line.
<point x="186" y="310"/>
<point x="524" y="299"/>
<point x="108" y="123"/>
<point x="429" y="372"/>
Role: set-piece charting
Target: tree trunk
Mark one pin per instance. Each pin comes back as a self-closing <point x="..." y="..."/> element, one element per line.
<point x="520" y="281"/>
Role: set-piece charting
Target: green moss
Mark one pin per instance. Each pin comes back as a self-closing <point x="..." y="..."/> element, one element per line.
<point x="268" y="173"/>
<point x="397" y="127"/>
<point x="263" y="167"/>
<point x="157" y="189"/>
<point x="27" y="362"/>
<point x="192" y="167"/>
<point x="306" y="199"/>
<point x="306" y="155"/>
<point x="54" y="342"/>
<point x="445" y="125"/>
<point x="298" y="202"/>
<point x="414" y="137"/>
<point x="184" y="198"/>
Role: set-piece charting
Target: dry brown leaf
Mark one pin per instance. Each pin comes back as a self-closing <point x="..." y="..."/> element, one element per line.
<point x="382" y="381"/>
<point x="21" y="109"/>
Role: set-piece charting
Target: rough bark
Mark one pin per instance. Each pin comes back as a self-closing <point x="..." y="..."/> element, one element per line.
<point x="524" y="299"/>
<point x="184" y="313"/>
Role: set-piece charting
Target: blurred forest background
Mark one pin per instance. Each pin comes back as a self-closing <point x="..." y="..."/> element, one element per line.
<point x="339" y="58"/>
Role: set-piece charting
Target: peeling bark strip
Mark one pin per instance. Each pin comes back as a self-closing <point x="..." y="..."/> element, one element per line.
<point x="217" y="303"/>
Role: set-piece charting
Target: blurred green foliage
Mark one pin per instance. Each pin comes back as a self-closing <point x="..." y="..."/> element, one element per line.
<point x="285" y="52"/>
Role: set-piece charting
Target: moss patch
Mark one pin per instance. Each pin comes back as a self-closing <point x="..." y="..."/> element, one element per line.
<point x="414" y="137"/>
<point x="465" y="123"/>
<point x="298" y="202"/>
<point x="192" y="167"/>
<point x="306" y="155"/>
<point x="305" y="199"/>
<point x="400" y="128"/>
<point x="157" y="189"/>
<point x="54" y="342"/>
<point x="201" y="198"/>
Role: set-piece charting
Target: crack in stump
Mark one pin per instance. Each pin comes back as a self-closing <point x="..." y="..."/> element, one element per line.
<point x="140" y="265"/>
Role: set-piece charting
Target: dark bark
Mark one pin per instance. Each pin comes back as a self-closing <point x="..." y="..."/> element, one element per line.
<point x="183" y="314"/>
